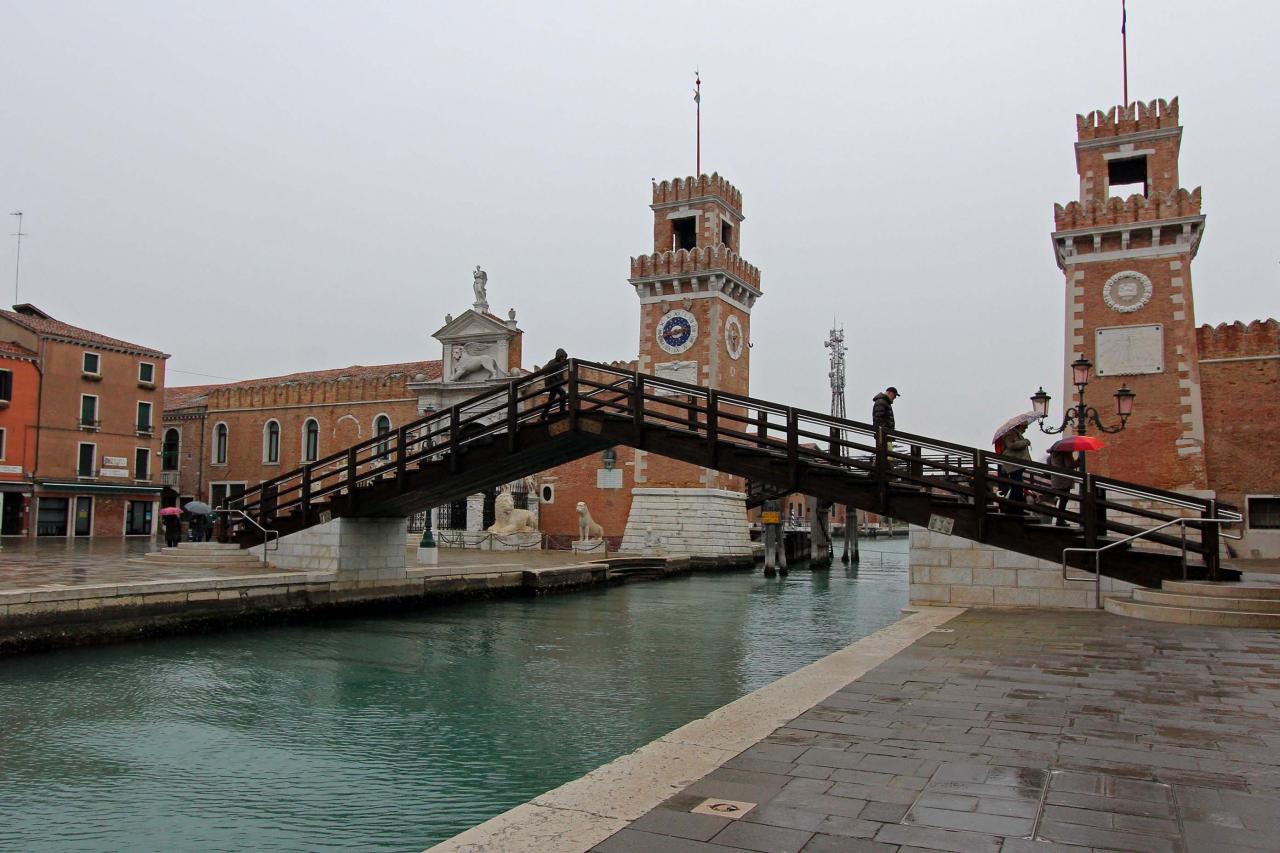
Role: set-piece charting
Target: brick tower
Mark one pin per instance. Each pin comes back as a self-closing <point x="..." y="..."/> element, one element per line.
<point x="1126" y="249"/>
<point x="696" y="294"/>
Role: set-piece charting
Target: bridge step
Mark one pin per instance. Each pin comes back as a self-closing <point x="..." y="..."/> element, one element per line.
<point x="1191" y="615"/>
<point x="1254" y="589"/>
<point x="1206" y="602"/>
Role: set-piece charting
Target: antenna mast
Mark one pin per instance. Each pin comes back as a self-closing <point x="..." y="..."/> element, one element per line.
<point x="835" y="344"/>
<point x="17" y="263"/>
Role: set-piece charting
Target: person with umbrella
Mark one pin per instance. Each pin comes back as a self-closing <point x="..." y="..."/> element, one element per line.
<point x="1062" y="456"/>
<point x="198" y="510"/>
<point x="1010" y="440"/>
<point x="171" y="517"/>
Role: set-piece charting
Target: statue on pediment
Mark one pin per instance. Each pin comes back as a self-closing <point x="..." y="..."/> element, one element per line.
<point x="480" y="284"/>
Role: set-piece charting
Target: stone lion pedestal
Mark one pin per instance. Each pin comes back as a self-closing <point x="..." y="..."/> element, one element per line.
<point x="526" y="541"/>
<point x="593" y="547"/>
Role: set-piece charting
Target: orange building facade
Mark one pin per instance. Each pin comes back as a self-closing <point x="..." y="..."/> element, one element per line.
<point x="87" y="458"/>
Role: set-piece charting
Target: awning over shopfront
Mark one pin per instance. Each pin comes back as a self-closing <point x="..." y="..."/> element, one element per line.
<point x="20" y="488"/>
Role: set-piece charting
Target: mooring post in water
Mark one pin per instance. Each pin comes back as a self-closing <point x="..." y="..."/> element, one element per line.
<point x="819" y="539"/>
<point x="770" y="522"/>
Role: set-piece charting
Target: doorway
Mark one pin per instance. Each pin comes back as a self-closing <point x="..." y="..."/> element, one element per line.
<point x="138" y="520"/>
<point x="84" y="515"/>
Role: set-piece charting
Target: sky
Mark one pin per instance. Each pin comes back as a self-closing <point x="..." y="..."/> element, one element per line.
<point x="267" y="187"/>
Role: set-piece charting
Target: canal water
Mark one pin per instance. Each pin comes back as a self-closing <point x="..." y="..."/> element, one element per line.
<point x="397" y="732"/>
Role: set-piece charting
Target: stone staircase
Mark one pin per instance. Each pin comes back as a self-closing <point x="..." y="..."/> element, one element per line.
<point x="1251" y="604"/>
<point x="213" y="555"/>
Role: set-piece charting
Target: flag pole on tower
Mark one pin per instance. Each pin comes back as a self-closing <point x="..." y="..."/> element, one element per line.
<point x="1124" y="47"/>
<point x="697" y="100"/>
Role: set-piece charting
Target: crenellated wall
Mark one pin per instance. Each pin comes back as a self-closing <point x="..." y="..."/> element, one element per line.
<point x="684" y="189"/>
<point x="1237" y="340"/>
<point x="682" y="261"/>
<point x="1117" y="211"/>
<point x="1133" y="117"/>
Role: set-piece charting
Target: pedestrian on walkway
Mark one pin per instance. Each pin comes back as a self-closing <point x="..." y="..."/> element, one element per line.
<point x="882" y="408"/>
<point x="1016" y="444"/>
<point x="1063" y="460"/>
<point x="172" y="530"/>
<point x="554" y="382"/>
<point x="196" y="528"/>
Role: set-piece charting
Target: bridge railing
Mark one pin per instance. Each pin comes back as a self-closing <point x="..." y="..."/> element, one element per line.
<point x="809" y="441"/>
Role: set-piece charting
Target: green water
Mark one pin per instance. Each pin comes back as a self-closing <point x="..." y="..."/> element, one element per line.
<point x="394" y="733"/>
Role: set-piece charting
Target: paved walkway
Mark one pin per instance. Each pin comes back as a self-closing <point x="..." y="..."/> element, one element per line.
<point x="1012" y="731"/>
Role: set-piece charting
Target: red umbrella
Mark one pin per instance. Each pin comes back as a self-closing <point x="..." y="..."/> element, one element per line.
<point x="171" y="510"/>
<point x="1076" y="442"/>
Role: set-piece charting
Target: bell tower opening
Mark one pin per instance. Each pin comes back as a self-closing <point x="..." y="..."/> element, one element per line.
<point x="684" y="233"/>
<point x="1128" y="176"/>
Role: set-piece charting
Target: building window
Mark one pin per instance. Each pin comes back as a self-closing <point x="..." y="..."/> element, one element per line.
<point x="684" y="233"/>
<point x="146" y="373"/>
<point x="91" y="364"/>
<point x="311" y="440"/>
<point x="1264" y="512"/>
<point x="6" y="385"/>
<point x="88" y="410"/>
<point x="220" y="444"/>
<point x="84" y="463"/>
<point x="169" y="450"/>
<point x="271" y="442"/>
<point x="51" y="516"/>
<point x="382" y="427"/>
<point x="726" y="233"/>
<point x="220" y="493"/>
<point x="142" y="463"/>
<point x="144" y="417"/>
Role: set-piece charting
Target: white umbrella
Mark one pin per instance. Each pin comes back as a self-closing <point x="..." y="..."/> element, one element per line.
<point x="1013" y="423"/>
<point x="198" y="508"/>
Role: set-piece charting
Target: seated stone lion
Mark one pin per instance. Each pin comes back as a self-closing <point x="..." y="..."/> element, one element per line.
<point x="507" y="519"/>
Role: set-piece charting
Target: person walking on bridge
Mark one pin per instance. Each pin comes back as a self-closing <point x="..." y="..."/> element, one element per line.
<point x="554" y="382"/>
<point x="882" y="408"/>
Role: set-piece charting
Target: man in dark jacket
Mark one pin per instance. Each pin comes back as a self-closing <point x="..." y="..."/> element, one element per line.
<point x="882" y="408"/>
<point x="555" y="382"/>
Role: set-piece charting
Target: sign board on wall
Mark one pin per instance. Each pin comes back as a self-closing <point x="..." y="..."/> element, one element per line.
<point x="114" y="472"/>
<point x="10" y="469"/>
<point x="770" y="518"/>
<point x="115" y="462"/>
<point x="1130" y="350"/>
<point x="608" y="478"/>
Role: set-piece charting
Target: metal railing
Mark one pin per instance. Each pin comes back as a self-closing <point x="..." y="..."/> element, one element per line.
<point x="268" y="535"/>
<point x="1096" y="580"/>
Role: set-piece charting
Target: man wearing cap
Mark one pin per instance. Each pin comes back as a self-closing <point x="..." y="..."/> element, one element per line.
<point x="882" y="408"/>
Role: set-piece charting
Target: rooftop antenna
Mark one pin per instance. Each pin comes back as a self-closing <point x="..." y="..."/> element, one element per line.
<point x="17" y="263"/>
<point x="697" y="100"/>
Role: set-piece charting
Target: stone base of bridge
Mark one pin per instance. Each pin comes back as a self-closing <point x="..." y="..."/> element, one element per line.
<point x="951" y="570"/>
<point x="698" y="523"/>
<point x="358" y="549"/>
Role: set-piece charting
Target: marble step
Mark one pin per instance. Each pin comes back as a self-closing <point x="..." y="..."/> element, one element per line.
<point x="1206" y="602"/>
<point x="1127" y="606"/>
<point x="1224" y="590"/>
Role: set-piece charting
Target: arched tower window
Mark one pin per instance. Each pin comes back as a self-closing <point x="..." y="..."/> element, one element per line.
<point x="271" y="442"/>
<point x="169" y="450"/>
<point x="311" y="440"/>
<point x="220" y="444"/>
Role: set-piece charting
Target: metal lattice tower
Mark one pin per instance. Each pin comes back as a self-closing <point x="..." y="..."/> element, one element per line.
<point x="835" y="343"/>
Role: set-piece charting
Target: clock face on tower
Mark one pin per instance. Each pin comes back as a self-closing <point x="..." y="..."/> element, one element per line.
<point x="677" y="331"/>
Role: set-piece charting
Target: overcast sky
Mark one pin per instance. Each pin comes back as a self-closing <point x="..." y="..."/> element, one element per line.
<point x="266" y="187"/>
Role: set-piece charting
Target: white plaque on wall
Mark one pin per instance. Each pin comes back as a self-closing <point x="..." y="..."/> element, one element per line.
<point x="1130" y="350"/>
<point x="608" y="478"/>
<point x="114" y="472"/>
<point x="115" y="462"/>
<point x="679" y="371"/>
<point x="10" y="469"/>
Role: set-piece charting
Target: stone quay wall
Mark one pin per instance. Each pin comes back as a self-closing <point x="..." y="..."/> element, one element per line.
<point x="948" y="570"/>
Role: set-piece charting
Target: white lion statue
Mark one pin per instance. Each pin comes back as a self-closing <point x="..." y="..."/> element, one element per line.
<point x="507" y="519"/>
<point x="588" y="530"/>
<point x="474" y="358"/>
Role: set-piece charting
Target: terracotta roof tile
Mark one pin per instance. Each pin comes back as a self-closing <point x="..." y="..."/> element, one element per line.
<point x="10" y="348"/>
<point x="37" y="321"/>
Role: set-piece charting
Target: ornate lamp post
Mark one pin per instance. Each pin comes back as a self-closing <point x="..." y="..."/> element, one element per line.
<point x="1081" y="415"/>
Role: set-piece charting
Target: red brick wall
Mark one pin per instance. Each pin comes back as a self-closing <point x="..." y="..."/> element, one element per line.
<point x="1242" y="408"/>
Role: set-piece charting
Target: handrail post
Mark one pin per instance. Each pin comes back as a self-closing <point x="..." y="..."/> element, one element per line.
<point x="637" y="408"/>
<point x="402" y="440"/>
<point x="917" y="461"/>
<point x="793" y="449"/>
<point x="882" y="470"/>
<point x="1089" y="511"/>
<point x="353" y="464"/>
<point x="305" y="498"/>
<point x="1209" y="539"/>
<point x="980" y="492"/>
<point x="572" y="379"/>
<point x="455" y="464"/>
<point x="713" y="430"/>
<point x="762" y="427"/>
<point x="513" y="416"/>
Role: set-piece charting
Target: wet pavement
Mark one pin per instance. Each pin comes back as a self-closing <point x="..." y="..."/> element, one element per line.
<point x="1011" y="731"/>
<point x="27" y="563"/>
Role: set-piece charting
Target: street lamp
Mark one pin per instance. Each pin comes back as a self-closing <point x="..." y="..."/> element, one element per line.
<point x="1081" y="415"/>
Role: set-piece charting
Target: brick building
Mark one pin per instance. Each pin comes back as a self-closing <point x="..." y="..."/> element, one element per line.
<point x="1204" y="420"/>
<point x="86" y="459"/>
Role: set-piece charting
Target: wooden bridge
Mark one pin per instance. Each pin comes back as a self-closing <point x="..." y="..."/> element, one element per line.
<point x="501" y="435"/>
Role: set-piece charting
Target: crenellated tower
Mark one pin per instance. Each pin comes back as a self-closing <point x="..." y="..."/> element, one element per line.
<point x="696" y="294"/>
<point x="1126" y="248"/>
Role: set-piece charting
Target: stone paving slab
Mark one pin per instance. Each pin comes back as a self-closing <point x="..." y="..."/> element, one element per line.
<point x="1012" y="731"/>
